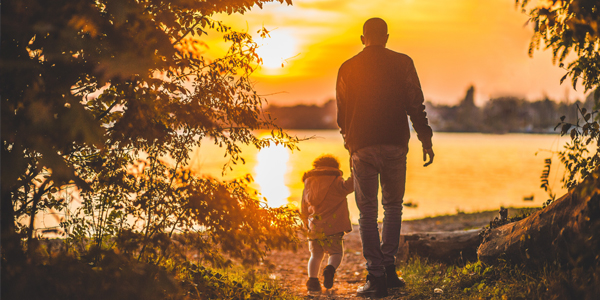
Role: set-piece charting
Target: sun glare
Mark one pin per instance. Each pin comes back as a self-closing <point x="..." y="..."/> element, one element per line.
<point x="276" y="49"/>
<point x="271" y="169"/>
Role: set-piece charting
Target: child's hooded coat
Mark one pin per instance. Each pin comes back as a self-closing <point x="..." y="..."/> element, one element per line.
<point x="324" y="204"/>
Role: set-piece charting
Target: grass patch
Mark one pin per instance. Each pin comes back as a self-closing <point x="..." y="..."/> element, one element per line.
<point x="235" y="282"/>
<point x="477" y="281"/>
<point x="118" y="276"/>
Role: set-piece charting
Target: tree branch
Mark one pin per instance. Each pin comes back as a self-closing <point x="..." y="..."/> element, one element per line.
<point x="188" y="32"/>
<point x="107" y="111"/>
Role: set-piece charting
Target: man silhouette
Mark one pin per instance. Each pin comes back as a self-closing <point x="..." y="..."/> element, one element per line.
<point x="376" y="90"/>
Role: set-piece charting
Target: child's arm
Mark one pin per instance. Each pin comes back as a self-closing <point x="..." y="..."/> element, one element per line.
<point x="304" y="210"/>
<point x="348" y="184"/>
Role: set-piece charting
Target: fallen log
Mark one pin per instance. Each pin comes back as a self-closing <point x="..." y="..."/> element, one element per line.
<point x="560" y="233"/>
<point x="448" y="247"/>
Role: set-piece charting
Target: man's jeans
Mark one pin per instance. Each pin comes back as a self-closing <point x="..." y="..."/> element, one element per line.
<point x="388" y="162"/>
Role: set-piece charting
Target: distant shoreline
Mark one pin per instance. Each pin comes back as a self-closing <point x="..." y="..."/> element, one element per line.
<point x="439" y="131"/>
<point x="500" y="115"/>
<point x="459" y="221"/>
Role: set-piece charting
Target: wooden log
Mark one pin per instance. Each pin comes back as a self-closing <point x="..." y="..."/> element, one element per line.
<point x="548" y="235"/>
<point x="448" y="247"/>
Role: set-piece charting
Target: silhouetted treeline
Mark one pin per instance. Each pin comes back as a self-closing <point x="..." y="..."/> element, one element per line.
<point x="305" y="116"/>
<point x="503" y="115"/>
<point x="499" y="115"/>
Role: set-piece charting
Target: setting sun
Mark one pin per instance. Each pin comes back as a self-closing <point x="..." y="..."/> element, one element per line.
<point x="276" y="49"/>
<point x="454" y="44"/>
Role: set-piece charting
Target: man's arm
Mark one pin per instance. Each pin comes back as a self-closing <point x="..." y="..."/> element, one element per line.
<point x="340" y="96"/>
<point x="415" y="108"/>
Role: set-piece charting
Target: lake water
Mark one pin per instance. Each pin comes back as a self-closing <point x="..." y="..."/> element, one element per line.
<point x="471" y="171"/>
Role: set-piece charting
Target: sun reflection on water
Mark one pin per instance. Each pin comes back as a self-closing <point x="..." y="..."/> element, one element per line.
<point x="270" y="171"/>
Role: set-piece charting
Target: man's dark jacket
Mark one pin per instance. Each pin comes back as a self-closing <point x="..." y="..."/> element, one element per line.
<point x="376" y="90"/>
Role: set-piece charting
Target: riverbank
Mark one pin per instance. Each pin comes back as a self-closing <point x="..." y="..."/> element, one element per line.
<point x="289" y="268"/>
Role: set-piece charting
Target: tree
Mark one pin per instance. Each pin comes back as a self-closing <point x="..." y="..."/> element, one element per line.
<point x="572" y="27"/>
<point x="505" y="114"/>
<point x="565" y="232"/>
<point x="569" y="26"/>
<point x="93" y="89"/>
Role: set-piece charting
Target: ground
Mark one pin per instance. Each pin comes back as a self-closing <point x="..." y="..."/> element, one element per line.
<point x="291" y="267"/>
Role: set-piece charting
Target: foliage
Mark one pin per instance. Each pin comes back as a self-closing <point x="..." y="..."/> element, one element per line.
<point x="577" y="158"/>
<point x="61" y="276"/>
<point x="580" y="155"/>
<point x="569" y="26"/>
<point x="103" y="103"/>
<point x="504" y="281"/>
<point x="238" y="283"/>
<point x="503" y="219"/>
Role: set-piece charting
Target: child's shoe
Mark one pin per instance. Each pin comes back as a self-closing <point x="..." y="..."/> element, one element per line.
<point x="328" y="273"/>
<point x="313" y="284"/>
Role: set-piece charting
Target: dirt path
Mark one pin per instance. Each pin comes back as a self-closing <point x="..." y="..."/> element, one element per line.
<point x="290" y="267"/>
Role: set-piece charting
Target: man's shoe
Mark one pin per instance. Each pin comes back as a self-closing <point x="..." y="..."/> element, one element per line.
<point x="393" y="281"/>
<point x="313" y="285"/>
<point x="376" y="287"/>
<point x="328" y="274"/>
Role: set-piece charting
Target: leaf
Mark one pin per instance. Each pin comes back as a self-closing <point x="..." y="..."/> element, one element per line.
<point x="565" y="128"/>
<point x="563" y="78"/>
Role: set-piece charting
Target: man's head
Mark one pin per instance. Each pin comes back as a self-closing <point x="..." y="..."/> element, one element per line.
<point x="374" y="32"/>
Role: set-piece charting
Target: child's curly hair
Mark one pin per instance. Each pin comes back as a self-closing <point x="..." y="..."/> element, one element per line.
<point x="326" y="160"/>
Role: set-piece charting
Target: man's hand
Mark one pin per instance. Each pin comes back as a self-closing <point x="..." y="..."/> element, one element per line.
<point x="431" y="155"/>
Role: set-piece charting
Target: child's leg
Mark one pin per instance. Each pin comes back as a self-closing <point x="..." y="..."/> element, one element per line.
<point x="335" y="249"/>
<point x="336" y="253"/>
<point x="335" y="259"/>
<point x="316" y="256"/>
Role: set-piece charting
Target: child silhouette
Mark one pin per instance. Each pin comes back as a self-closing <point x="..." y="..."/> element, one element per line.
<point x="325" y="213"/>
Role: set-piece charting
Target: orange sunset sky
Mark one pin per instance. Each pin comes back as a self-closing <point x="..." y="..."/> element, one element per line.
<point x="454" y="44"/>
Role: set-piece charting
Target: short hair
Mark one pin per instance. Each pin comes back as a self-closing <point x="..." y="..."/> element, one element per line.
<point x="375" y="28"/>
<point x="326" y="160"/>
